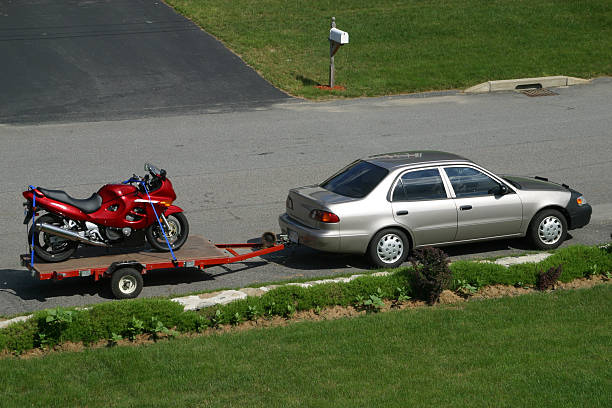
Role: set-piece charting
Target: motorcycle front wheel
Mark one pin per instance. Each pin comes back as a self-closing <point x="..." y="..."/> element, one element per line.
<point x="177" y="234"/>
<point x="49" y="247"/>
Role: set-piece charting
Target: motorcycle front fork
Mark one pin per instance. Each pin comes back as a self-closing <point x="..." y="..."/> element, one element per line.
<point x="165" y="222"/>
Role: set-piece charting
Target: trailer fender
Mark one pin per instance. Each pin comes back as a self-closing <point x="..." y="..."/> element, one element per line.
<point x="172" y="210"/>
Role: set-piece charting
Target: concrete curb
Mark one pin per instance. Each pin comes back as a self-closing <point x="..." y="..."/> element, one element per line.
<point x="525" y="83"/>
<point x="6" y="323"/>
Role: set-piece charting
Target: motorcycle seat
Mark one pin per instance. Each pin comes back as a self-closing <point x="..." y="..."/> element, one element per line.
<point x="87" y="205"/>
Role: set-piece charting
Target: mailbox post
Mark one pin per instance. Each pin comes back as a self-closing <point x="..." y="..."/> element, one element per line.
<point x="337" y="38"/>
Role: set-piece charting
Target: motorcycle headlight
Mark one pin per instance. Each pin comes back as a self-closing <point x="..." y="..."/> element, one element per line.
<point x="581" y="201"/>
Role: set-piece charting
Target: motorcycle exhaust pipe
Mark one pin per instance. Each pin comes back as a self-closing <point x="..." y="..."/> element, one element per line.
<point x="71" y="235"/>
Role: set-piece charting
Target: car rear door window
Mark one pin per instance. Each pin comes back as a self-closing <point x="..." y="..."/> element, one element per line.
<point x="419" y="185"/>
<point x="356" y="180"/>
<point x="469" y="182"/>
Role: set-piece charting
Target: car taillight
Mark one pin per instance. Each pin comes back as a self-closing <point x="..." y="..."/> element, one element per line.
<point x="324" y="216"/>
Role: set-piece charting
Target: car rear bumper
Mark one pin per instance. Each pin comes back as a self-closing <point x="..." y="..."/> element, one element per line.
<point x="323" y="240"/>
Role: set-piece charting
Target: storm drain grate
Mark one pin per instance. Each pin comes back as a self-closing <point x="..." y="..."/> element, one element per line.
<point x="539" y="92"/>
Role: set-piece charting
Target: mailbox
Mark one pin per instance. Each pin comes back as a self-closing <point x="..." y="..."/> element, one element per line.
<point x="338" y="36"/>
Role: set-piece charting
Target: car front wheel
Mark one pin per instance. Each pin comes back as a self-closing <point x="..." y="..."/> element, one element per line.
<point x="388" y="248"/>
<point x="547" y="229"/>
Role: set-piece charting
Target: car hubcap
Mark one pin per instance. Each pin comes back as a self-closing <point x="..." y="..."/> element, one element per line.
<point x="550" y="230"/>
<point x="127" y="284"/>
<point x="390" y="248"/>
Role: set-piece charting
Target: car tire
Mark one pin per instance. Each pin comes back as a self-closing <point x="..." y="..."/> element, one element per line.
<point x="388" y="248"/>
<point x="547" y="229"/>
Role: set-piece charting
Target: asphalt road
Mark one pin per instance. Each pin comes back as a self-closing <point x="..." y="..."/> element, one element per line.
<point x="113" y="59"/>
<point x="232" y="171"/>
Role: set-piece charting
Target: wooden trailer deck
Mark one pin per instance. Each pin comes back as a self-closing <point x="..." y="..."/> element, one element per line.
<point x="197" y="252"/>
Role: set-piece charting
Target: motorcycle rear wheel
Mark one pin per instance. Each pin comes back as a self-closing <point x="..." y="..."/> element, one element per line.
<point x="49" y="247"/>
<point x="177" y="235"/>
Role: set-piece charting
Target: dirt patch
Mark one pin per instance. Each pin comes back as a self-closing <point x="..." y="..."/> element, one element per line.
<point x="447" y="297"/>
<point x="496" y="291"/>
<point x="584" y="282"/>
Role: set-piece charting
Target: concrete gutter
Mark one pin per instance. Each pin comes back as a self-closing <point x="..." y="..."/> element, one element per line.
<point x="525" y="83"/>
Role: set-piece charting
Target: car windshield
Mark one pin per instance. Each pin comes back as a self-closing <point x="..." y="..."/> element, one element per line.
<point x="356" y="180"/>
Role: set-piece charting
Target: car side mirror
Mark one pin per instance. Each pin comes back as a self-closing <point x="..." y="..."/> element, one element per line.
<point x="499" y="190"/>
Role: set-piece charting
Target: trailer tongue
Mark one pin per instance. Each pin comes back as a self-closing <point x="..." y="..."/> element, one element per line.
<point x="126" y="269"/>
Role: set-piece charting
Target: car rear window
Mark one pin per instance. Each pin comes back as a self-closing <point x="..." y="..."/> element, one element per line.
<point x="356" y="180"/>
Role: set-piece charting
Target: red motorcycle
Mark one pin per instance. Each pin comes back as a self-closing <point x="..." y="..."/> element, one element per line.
<point x="112" y="217"/>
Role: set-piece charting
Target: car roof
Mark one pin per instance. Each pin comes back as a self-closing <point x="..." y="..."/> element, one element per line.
<point x="414" y="157"/>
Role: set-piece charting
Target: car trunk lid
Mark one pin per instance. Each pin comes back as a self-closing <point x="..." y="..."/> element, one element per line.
<point x="303" y="200"/>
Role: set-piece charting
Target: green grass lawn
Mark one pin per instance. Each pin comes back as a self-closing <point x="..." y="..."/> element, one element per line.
<point x="546" y="350"/>
<point x="408" y="46"/>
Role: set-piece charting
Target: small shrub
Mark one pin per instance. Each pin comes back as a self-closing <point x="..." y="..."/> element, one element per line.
<point x="431" y="274"/>
<point x="548" y="279"/>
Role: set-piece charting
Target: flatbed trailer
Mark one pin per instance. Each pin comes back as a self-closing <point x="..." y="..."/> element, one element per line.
<point x="125" y="269"/>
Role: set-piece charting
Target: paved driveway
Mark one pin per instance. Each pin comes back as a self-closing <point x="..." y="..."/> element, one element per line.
<point x="113" y="59"/>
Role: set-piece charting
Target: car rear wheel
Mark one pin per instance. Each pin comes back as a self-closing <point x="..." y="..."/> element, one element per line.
<point x="388" y="248"/>
<point x="547" y="229"/>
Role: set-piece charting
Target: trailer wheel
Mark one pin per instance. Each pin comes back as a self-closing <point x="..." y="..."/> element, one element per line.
<point x="126" y="283"/>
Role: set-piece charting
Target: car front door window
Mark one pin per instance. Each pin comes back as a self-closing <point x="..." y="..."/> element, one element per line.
<point x="469" y="182"/>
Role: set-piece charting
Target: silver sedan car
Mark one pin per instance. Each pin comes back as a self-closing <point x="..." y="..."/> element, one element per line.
<point x="384" y="205"/>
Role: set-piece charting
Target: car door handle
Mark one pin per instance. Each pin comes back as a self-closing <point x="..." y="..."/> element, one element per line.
<point x="465" y="207"/>
<point x="403" y="212"/>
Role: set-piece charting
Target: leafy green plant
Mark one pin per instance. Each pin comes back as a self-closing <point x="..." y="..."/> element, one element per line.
<point x="157" y="328"/>
<point x="373" y="303"/>
<point x="114" y="339"/>
<point x="134" y="328"/>
<point x="201" y="323"/>
<point x="289" y="311"/>
<point x="317" y="310"/>
<point x="464" y="288"/>
<point x="592" y="271"/>
<point x="216" y="319"/>
<point x="235" y="319"/>
<point x="430" y="273"/>
<point x="252" y="312"/>
<point x="41" y="340"/>
<point x="401" y="296"/>
<point x="607" y="275"/>
<point x="521" y="284"/>
<point x="548" y="279"/>
<point x="269" y="309"/>
<point x="52" y="325"/>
